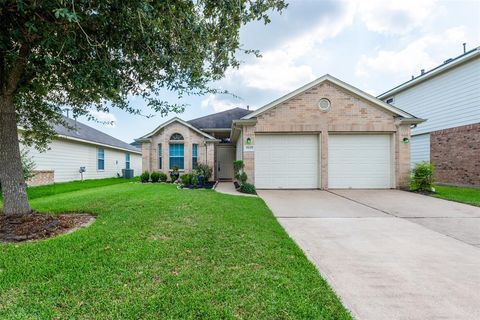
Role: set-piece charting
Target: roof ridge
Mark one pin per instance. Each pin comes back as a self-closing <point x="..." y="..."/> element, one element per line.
<point x="212" y="114"/>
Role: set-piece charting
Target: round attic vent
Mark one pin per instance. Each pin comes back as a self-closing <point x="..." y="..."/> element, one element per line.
<point x="324" y="104"/>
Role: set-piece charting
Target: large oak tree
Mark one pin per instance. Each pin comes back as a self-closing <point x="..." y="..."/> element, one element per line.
<point x="90" y="55"/>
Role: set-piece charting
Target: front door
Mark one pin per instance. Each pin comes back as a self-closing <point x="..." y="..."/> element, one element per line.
<point x="225" y="159"/>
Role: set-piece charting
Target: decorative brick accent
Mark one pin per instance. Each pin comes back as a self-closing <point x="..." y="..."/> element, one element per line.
<point x="42" y="177"/>
<point x="455" y="153"/>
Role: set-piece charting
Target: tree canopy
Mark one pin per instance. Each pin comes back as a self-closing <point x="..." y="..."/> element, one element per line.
<point x="93" y="54"/>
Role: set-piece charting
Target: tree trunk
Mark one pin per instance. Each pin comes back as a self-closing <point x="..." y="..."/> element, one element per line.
<point x="15" y="200"/>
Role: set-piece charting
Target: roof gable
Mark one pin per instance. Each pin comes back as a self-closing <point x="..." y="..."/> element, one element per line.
<point x="176" y="119"/>
<point x="339" y="83"/>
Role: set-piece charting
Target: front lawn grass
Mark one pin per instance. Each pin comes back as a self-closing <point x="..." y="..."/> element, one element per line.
<point x="156" y="252"/>
<point x="57" y="188"/>
<point x="459" y="194"/>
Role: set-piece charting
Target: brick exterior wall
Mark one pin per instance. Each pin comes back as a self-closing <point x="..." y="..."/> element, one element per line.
<point x="455" y="153"/>
<point x="348" y="113"/>
<point x="42" y="177"/>
<point x="150" y="149"/>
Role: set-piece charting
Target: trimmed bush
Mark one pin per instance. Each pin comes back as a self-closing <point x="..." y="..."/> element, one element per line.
<point x="186" y="179"/>
<point x="422" y="177"/>
<point x="155" y="176"/>
<point x="248" y="188"/>
<point x="195" y="181"/>
<point x="162" y="177"/>
<point x="238" y="168"/>
<point x="242" y="177"/>
<point x="144" y="177"/>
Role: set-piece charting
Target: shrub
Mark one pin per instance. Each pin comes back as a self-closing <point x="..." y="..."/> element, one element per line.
<point x="238" y="168"/>
<point x="195" y="181"/>
<point x="144" y="177"/>
<point x="162" y="177"/>
<point x="248" y="188"/>
<point x="28" y="165"/>
<point x="242" y="177"/>
<point x="155" y="176"/>
<point x="186" y="179"/>
<point x="203" y="170"/>
<point x="422" y="177"/>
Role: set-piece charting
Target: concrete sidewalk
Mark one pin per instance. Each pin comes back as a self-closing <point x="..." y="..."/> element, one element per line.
<point x="382" y="265"/>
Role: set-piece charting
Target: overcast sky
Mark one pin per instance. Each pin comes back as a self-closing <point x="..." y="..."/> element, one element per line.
<point x="373" y="45"/>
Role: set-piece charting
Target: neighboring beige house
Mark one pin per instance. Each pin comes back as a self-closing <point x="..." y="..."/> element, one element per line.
<point x="102" y="155"/>
<point x="326" y="134"/>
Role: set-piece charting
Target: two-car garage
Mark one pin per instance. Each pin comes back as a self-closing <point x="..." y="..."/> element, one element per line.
<point x="293" y="161"/>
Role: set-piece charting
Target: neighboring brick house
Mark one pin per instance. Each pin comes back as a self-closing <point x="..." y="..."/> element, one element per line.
<point x="449" y="97"/>
<point x="326" y="134"/>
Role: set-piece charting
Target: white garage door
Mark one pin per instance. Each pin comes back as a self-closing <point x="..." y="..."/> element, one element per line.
<point x="286" y="161"/>
<point x="359" y="161"/>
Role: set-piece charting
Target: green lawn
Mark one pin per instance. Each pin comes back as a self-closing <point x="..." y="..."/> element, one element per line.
<point x="459" y="194"/>
<point x="156" y="252"/>
<point x="57" y="188"/>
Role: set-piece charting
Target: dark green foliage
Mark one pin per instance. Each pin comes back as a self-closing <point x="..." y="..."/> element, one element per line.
<point x="195" y="181"/>
<point x="248" y="188"/>
<point x="145" y="177"/>
<point x="422" y="177"/>
<point x="186" y="179"/>
<point x="91" y="55"/>
<point x="242" y="177"/>
<point x="155" y="176"/>
<point x="162" y="176"/>
<point x="203" y="170"/>
<point x="238" y="168"/>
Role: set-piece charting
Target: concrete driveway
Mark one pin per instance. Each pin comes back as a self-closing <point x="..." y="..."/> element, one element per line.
<point x="388" y="254"/>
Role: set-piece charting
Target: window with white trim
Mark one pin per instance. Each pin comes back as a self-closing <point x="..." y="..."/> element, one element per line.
<point x="127" y="160"/>
<point x="176" y="154"/>
<point x="194" y="155"/>
<point x="100" y="159"/>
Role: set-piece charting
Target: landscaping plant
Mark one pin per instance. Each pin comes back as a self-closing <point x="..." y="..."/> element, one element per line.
<point x="145" y="176"/>
<point x="238" y="168"/>
<point x="422" y="177"/>
<point x="162" y="176"/>
<point x="186" y="179"/>
<point x="155" y="176"/>
<point x="174" y="174"/>
<point x="204" y="171"/>
<point x="248" y="188"/>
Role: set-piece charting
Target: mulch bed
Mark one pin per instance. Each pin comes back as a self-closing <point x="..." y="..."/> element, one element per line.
<point x="37" y="226"/>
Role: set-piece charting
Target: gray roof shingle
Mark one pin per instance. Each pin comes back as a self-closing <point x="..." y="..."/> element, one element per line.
<point x="219" y="120"/>
<point x="84" y="132"/>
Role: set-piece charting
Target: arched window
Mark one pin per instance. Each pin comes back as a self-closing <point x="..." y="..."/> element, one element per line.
<point x="176" y="136"/>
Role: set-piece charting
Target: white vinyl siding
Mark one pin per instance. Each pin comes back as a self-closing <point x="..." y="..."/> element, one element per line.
<point x="420" y="149"/>
<point x="359" y="161"/>
<point x="286" y="161"/>
<point x="449" y="100"/>
<point x="65" y="158"/>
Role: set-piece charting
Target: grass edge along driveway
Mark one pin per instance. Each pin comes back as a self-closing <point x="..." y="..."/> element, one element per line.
<point x="158" y="252"/>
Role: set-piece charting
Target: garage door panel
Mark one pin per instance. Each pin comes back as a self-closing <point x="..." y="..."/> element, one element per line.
<point x="359" y="161"/>
<point x="286" y="161"/>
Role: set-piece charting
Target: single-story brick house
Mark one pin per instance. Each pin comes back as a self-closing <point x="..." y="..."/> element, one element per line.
<point x="326" y="134"/>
